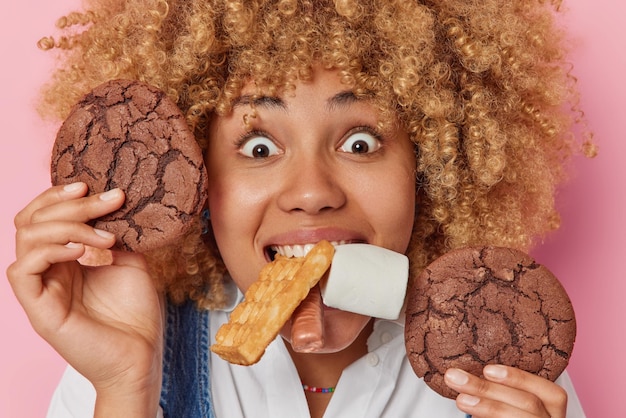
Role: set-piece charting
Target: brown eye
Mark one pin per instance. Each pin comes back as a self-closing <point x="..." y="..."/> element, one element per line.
<point x="259" y="147"/>
<point x="260" y="151"/>
<point x="360" y="147"/>
<point x="360" y="143"/>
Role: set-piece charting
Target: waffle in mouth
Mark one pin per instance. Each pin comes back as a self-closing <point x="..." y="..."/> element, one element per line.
<point x="269" y="303"/>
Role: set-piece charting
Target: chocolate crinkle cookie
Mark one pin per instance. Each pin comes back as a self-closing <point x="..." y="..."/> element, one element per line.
<point x="130" y="135"/>
<point x="487" y="305"/>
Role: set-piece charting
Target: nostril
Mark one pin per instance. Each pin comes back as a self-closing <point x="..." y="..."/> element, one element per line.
<point x="317" y="210"/>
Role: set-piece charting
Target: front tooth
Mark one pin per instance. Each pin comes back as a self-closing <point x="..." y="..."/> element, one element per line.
<point x="293" y="250"/>
<point x="286" y="250"/>
<point x="289" y="250"/>
<point x="306" y="249"/>
<point x="299" y="250"/>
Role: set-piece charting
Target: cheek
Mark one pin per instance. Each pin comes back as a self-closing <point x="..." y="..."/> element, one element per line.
<point x="393" y="211"/>
<point x="227" y="196"/>
<point x="220" y="209"/>
<point x="237" y="205"/>
<point x="403" y="212"/>
<point x="235" y="219"/>
<point x="224" y="215"/>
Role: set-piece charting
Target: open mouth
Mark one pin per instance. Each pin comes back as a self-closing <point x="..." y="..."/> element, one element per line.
<point x="297" y="250"/>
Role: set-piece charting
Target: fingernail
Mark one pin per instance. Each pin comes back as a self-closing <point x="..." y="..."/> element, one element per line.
<point x="495" y="371"/>
<point x="73" y="245"/>
<point x="111" y="194"/>
<point x="457" y="377"/>
<point x="70" y="188"/>
<point x="103" y="234"/>
<point x="467" y="400"/>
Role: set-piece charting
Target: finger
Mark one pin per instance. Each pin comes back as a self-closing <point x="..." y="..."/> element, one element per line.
<point x="479" y="397"/>
<point x="26" y="274"/>
<point x="552" y="396"/>
<point x="80" y="210"/>
<point x="30" y="237"/>
<point x="129" y="259"/>
<point x="49" y="197"/>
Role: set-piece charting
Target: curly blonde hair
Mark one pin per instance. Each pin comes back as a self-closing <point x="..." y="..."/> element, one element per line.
<point x="482" y="87"/>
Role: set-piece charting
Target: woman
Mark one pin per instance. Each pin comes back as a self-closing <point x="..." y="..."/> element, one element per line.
<point x="415" y="126"/>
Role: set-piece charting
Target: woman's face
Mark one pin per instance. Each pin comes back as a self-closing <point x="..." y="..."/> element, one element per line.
<point x="308" y="166"/>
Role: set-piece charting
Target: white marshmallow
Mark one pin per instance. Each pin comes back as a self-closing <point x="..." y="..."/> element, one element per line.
<point x="367" y="280"/>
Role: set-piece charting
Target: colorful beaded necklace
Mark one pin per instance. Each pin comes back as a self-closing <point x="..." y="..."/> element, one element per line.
<point x="318" y="390"/>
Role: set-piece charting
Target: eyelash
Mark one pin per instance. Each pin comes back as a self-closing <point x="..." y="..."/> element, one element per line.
<point x="368" y="129"/>
<point x="245" y="137"/>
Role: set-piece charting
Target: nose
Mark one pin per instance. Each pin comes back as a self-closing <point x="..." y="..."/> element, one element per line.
<point x="311" y="186"/>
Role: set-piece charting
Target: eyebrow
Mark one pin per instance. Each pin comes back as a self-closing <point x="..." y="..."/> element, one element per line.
<point x="342" y="99"/>
<point x="339" y="100"/>
<point x="270" y="102"/>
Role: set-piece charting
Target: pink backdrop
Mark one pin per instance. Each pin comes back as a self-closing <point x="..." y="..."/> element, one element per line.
<point x="586" y="254"/>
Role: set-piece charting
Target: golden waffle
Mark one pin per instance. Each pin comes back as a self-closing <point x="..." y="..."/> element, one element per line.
<point x="269" y="303"/>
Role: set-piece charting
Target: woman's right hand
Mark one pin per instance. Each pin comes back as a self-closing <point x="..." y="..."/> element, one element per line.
<point x="105" y="321"/>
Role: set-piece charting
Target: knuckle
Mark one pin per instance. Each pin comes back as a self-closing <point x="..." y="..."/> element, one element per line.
<point x="21" y="218"/>
<point x="560" y="395"/>
<point x="22" y="234"/>
<point x="12" y="273"/>
<point x="35" y="217"/>
<point x="534" y="404"/>
<point x="482" y="387"/>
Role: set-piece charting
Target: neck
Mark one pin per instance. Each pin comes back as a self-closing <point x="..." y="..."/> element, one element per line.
<point x="324" y="370"/>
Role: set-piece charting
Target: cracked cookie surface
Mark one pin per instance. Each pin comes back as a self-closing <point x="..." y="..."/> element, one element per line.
<point x="485" y="305"/>
<point x="130" y="135"/>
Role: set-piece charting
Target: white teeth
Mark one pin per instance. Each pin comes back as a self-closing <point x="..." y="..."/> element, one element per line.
<point x="294" y="250"/>
<point x="299" y="250"/>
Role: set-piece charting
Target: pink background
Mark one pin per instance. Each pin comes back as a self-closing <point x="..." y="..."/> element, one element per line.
<point x="586" y="254"/>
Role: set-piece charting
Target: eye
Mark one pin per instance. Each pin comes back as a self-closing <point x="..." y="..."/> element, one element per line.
<point x="256" y="145"/>
<point x="361" y="143"/>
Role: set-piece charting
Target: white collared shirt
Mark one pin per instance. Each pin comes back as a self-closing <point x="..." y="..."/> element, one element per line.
<point x="380" y="384"/>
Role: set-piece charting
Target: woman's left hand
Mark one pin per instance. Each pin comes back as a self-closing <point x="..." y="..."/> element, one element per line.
<point x="507" y="392"/>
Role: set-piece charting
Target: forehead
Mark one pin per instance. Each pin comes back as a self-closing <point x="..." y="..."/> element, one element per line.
<point x="329" y="90"/>
<point x="321" y="79"/>
<point x="324" y="87"/>
<point x="323" y="93"/>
